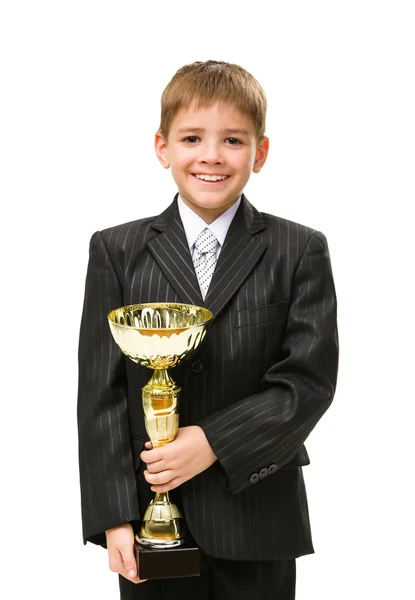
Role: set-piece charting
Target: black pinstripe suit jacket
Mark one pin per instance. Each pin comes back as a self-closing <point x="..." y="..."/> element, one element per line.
<point x="258" y="385"/>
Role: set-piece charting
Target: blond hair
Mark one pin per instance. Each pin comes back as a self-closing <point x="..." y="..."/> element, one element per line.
<point x="212" y="81"/>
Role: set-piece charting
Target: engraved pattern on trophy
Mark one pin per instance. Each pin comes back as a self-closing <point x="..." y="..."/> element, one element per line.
<point x="160" y="336"/>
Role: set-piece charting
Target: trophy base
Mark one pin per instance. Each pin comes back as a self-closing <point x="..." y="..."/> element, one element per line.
<point x="167" y="562"/>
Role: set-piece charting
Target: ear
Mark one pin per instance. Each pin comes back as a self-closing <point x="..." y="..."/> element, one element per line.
<point x="160" y="145"/>
<point x="261" y="154"/>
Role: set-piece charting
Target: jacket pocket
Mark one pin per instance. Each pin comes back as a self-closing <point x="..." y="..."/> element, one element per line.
<point x="262" y="314"/>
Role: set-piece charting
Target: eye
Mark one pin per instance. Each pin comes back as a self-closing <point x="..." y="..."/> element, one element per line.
<point x="233" y="141"/>
<point x="191" y="139"/>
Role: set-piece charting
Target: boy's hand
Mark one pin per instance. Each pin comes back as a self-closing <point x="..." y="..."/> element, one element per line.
<point x="120" y="544"/>
<point x="173" y="464"/>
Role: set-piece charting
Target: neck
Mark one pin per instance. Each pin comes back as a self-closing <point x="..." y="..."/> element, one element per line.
<point x="208" y="214"/>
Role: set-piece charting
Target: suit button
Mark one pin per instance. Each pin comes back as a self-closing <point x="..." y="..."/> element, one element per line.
<point x="263" y="473"/>
<point x="272" y="468"/>
<point x="254" y="478"/>
<point x="198" y="366"/>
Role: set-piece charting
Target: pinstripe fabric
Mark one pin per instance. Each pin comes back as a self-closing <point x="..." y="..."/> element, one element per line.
<point x="269" y="366"/>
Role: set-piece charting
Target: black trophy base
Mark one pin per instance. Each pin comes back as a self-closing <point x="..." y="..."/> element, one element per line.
<point x="179" y="561"/>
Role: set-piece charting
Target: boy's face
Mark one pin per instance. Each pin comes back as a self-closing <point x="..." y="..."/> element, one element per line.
<point x="217" y="141"/>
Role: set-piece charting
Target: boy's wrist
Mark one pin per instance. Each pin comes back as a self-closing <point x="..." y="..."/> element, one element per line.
<point x="209" y="448"/>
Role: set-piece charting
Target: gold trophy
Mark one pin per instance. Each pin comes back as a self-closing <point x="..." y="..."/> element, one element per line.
<point x="160" y="336"/>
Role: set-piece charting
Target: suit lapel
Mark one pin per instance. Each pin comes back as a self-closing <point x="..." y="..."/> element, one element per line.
<point x="171" y="251"/>
<point x="240" y="253"/>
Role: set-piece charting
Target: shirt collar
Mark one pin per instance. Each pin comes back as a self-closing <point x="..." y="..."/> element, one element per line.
<point x="194" y="225"/>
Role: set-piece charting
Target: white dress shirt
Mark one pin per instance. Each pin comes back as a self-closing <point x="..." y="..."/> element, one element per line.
<point x="194" y="225"/>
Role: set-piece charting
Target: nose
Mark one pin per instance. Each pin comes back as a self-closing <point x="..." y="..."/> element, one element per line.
<point x="211" y="154"/>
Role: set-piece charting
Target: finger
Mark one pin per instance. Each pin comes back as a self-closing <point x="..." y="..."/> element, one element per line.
<point x="148" y="445"/>
<point x="149" y="456"/>
<point x="134" y="580"/>
<point x="156" y="467"/>
<point x="159" y="478"/>
<point x="129" y="564"/>
<point x="166" y="487"/>
<point x="130" y="578"/>
<point x="115" y="560"/>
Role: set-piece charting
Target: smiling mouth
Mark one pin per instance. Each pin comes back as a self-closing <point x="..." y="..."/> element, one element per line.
<point x="211" y="178"/>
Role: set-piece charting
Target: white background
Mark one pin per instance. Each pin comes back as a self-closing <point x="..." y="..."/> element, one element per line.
<point x="81" y="83"/>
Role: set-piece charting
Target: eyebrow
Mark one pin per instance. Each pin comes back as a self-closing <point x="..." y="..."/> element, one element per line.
<point x="200" y="130"/>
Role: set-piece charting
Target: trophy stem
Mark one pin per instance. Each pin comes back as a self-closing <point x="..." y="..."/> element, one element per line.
<point x="160" y="404"/>
<point x="161" y="378"/>
<point x="163" y="523"/>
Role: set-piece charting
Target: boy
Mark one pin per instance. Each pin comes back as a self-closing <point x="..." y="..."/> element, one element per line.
<point x="259" y="383"/>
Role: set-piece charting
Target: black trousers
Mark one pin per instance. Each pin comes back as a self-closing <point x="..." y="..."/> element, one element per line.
<point x="221" y="580"/>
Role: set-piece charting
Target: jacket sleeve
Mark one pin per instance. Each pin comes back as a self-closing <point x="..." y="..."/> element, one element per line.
<point x="271" y="426"/>
<point x="107" y="478"/>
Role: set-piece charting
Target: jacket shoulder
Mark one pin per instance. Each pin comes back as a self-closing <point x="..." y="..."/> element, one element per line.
<point x="122" y="242"/>
<point x="288" y="229"/>
<point x="126" y="234"/>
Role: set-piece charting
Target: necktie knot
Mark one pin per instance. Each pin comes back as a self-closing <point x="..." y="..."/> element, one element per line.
<point x="206" y="242"/>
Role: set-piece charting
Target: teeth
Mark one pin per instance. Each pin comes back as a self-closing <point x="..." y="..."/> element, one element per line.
<point x="211" y="177"/>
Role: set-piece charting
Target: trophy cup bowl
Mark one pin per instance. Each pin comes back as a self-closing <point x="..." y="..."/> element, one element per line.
<point x="161" y="336"/>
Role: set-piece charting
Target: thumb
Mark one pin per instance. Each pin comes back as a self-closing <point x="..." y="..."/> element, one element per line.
<point x="130" y="564"/>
